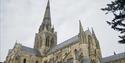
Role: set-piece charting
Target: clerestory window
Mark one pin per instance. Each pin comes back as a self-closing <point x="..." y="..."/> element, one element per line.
<point x="24" y="60"/>
<point x="36" y="61"/>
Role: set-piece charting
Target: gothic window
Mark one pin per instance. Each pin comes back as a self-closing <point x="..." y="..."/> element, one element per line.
<point x="76" y="54"/>
<point x="47" y="41"/>
<point x="93" y="61"/>
<point x="24" y="60"/>
<point x="52" y="41"/>
<point x="95" y="52"/>
<point x="59" y="62"/>
<point x="81" y="58"/>
<point x="45" y="61"/>
<point x="16" y="58"/>
<point x="56" y="57"/>
<point x="36" y="61"/>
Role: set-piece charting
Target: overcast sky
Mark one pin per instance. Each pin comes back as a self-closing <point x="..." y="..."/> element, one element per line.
<point x="20" y="20"/>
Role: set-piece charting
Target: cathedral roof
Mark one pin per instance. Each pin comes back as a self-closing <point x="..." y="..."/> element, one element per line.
<point x="64" y="44"/>
<point x="113" y="57"/>
<point x="30" y="51"/>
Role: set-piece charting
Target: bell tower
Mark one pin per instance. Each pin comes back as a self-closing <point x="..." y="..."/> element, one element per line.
<point x="46" y="38"/>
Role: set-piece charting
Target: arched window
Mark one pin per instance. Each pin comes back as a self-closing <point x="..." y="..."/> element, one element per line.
<point x="59" y="62"/>
<point x="24" y="60"/>
<point x="47" y="41"/>
<point x="93" y="61"/>
<point x="45" y="61"/>
<point x="81" y="58"/>
<point x="76" y="54"/>
<point x="36" y="61"/>
<point x="52" y="42"/>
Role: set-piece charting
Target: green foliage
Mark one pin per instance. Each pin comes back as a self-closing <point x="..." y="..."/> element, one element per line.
<point x="117" y="8"/>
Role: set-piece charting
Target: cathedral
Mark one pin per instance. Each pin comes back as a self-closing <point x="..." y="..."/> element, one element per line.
<point x="82" y="48"/>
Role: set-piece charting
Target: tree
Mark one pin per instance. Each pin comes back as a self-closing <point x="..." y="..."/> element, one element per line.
<point x="117" y="8"/>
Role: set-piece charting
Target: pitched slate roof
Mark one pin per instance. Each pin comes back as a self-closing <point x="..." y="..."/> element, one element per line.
<point x="64" y="44"/>
<point x="30" y="51"/>
<point x="113" y="57"/>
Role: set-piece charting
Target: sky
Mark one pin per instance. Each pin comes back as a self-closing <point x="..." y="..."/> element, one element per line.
<point x="20" y="20"/>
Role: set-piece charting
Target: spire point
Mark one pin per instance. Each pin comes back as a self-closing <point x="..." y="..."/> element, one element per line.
<point x="16" y="41"/>
<point x="48" y="4"/>
<point x="80" y="27"/>
<point x="46" y="19"/>
<point x="93" y="33"/>
<point x="92" y="30"/>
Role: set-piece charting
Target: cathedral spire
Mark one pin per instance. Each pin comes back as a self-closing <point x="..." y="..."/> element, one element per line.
<point x="46" y="38"/>
<point x="47" y="12"/>
<point x="47" y="19"/>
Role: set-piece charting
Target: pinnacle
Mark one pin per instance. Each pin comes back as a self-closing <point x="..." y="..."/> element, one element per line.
<point x="80" y="27"/>
<point x="46" y="19"/>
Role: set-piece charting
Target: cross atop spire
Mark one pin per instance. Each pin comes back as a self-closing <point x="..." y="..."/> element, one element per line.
<point x="47" y="19"/>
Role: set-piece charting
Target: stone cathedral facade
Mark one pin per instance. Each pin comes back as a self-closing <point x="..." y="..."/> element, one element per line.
<point x="82" y="48"/>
